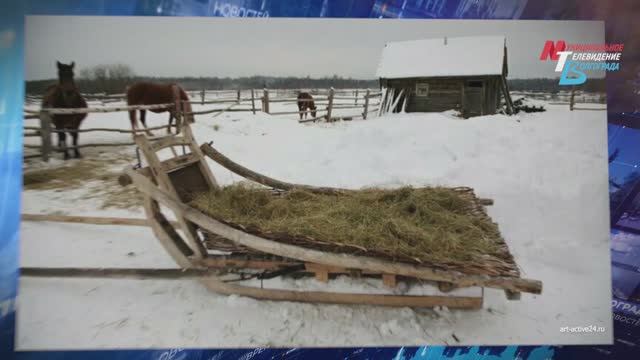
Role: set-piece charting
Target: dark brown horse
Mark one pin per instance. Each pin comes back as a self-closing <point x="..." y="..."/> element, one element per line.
<point x="65" y="94"/>
<point x="146" y="93"/>
<point x="306" y="103"/>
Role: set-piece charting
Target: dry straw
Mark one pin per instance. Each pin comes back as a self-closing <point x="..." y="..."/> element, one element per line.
<point x="432" y="225"/>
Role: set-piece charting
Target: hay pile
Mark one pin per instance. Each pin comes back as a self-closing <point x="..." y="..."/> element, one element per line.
<point x="426" y="225"/>
<point x="96" y="176"/>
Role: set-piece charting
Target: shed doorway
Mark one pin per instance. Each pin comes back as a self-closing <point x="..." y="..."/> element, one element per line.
<point x="473" y="98"/>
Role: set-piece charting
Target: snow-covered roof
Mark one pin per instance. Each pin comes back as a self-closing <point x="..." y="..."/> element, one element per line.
<point x="460" y="56"/>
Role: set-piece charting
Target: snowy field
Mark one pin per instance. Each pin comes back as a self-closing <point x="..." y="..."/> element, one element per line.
<point x="547" y="173"/>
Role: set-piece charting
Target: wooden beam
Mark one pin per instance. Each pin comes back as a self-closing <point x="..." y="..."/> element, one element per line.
<point x="366" y="105"/>
<point x="330" y="104"/>
<point x="389" y="280"/>
<point x="94" y="220"/>
<point x="322" y="276"/>
<point x="507" y="96"/>
<point x="253" y="102"/>
<point x="119" y="273"/>
<point x="216" y="156"/>
<point x="45" y="133"/>
<point x="453" y="302"/>
<point x="226" y="262"/>
<point x="265" y="100"/>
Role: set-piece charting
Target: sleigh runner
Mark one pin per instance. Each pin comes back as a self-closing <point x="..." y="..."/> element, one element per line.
<point x="197" y="240"/>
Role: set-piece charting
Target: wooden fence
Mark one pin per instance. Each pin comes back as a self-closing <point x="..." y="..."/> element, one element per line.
<point x="46" y="130"/>
<point x="236" y="100"/>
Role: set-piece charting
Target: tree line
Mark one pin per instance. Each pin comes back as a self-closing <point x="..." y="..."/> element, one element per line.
<point x="114" y="78"/>
<point x="552" y="85"/>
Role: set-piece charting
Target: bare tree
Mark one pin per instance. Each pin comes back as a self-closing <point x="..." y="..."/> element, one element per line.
<point x="107" y="78"/>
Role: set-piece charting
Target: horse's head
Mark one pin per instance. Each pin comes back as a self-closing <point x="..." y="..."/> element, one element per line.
<point x="65" y="72"/>
<point x="187" y="111"/>
<point x="189" y="118"/>
<point x="313" y="110"/>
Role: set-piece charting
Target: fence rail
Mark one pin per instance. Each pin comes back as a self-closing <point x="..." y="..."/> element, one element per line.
<point x="106" y="109"/>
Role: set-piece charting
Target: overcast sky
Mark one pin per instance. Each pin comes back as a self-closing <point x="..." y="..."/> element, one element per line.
<point x="178" y="46"/>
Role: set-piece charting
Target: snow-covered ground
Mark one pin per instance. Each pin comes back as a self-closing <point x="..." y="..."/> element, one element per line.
<point x="547" y="173"/>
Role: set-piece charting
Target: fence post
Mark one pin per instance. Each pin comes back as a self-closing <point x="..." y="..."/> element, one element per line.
<point x="45" y="133"/>
<point x="366" y="105"/>
<point x="356" y="97"/>
<point x="177" y="109"/>
<point x="265" y="100"/>
<point x="202" y="97"/>
<point x="571" y="101"/>
<point x="330" y="104"/>
<point x="253" y="102"/>
<point x="238" y="99"/>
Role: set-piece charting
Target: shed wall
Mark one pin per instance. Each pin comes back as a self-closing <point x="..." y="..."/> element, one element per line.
<point x="460" y="93"/>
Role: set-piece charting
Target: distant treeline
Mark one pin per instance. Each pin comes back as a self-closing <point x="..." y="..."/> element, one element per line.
<point x="552" y="86"/>
<point x="117" y="85"/>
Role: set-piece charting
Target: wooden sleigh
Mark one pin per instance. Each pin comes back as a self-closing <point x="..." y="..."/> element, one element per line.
<point x="196" y="241"/>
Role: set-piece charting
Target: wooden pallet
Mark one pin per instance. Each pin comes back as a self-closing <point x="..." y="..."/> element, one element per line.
<point x="167" y="185"/>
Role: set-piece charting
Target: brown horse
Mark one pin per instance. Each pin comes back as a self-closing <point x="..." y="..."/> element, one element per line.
<point x="146" y="93"/>
<point x="305" y="103"/>
<point x="65" y="94"/>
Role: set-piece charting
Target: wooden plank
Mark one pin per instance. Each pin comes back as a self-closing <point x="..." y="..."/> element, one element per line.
<point x="389" y="280"/>
<point x="330" y="104"/>
<point x="81" y="146"/>
<point x="322" y="276"/>
<point x="168" y="141"/>
<point x="365" y="110"/>
<point x="180" y="161"/>
<point x="507" y="97"/>
<point x="216" y="156"/>
<point x="406" y="100"/>
<point x="225" y="262"/>
<point x="396" y="101"/>
<point x="178" y="108"/>
<point x="265" y="100"/>
<point x="94" y="220"/>
<point x="218" y="111"/>
<point x="120" y="273"/>
<point x="202" y="164"/>
<point x="67" y="111"/>
<point x="312" y="267"/>
<point x="32" y="156"/>
<point x="45" y="133"/>
<point x="382" y="101"/>
<point x="166" y="234"/>
<point x="209" y="277"/>
<point x="453" y="302"/>
<point x="291" y="112"/>
<point x="163" y="180"/>
<point x="325" y="258"/>
<point x="124" y="131"/>
<point x="253" y="102"/>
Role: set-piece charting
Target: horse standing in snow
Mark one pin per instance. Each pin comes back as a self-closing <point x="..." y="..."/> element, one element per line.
<point x="146" y="93"/>
<point x="65" y="94"/>
<point x="306" y="103"/>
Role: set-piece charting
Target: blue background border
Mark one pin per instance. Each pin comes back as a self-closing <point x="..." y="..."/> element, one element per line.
<point x="624" y="147"/>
